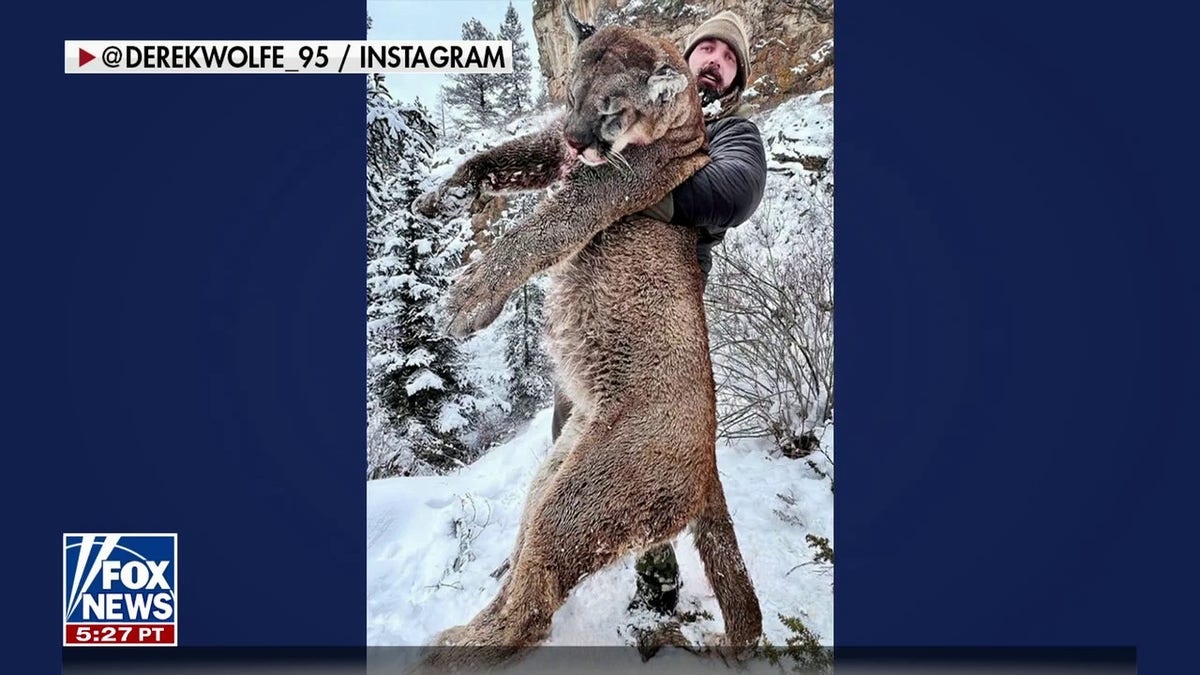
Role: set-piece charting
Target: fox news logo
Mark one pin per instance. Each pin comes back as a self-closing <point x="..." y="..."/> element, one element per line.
<point x="119" y="589"/>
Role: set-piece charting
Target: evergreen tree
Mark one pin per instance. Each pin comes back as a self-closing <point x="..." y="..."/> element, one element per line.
<point x="541" y="100"/>
<point x="514" y="88"/>
<point x="417" y="396"/>
<point x="529" y="388"/>
<point x="476" y="94"/>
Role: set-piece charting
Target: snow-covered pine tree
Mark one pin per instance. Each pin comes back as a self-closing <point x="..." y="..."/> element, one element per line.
<point x="529" y="388"/>
<point x="424" y="112"/>
<point x="417" y="396"/>
<point x="515" y="87"/>
<point x="475" y="94"/>
<point x="541" y="97"/>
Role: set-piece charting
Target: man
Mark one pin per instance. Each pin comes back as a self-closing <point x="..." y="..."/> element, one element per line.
<point x="721" y="195"/>
<point x="727" y="191"/>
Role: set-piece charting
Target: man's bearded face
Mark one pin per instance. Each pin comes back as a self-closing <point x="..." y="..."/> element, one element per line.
<point x="714" y="64"/>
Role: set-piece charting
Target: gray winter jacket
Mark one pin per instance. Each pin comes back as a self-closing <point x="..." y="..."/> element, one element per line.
<point x="725" y="192"/>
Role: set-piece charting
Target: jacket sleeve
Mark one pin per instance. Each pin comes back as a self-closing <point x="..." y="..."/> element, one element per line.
<point x="727" y="191"/>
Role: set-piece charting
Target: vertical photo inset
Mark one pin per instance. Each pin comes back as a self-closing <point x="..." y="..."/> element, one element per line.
<point x="600" y="394"/>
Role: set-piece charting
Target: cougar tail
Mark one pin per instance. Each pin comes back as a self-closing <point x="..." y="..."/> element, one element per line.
<point x="726" y="571"/>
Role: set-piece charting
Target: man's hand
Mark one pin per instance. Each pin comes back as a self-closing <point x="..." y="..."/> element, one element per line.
<point x="444" y="202"/>
<point x="664" y="210"/>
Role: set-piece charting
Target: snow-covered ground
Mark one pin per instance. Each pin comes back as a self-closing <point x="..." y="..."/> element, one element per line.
<point x="798" y="137"/>
<point x="432" y="542"/>
<point x="799" y="126"/>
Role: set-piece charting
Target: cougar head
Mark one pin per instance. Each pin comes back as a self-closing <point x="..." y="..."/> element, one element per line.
<point x="625" y="88"/>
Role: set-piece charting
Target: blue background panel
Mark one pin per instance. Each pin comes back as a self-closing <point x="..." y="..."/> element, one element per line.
<point x="1017" y="324"/>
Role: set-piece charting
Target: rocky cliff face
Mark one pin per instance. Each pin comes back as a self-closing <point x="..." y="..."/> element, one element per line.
<point x="791" y="41"/>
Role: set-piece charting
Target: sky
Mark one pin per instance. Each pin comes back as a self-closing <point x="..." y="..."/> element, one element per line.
<point x="437" y="20"/>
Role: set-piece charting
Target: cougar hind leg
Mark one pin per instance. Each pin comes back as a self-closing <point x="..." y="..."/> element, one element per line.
<point x="574" y="530"/>
<point x="485" y="621"/>
<point x="545" y="475"/>
<point x="726" y="570"/>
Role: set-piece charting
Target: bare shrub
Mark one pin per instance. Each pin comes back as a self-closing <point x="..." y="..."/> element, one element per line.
<point x="770" y="313"/>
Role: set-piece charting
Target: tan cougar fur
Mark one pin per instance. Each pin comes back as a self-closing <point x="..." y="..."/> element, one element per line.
<point x="636" y="462"/>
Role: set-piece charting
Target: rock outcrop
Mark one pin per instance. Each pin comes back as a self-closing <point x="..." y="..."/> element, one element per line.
<point x="791" y="41"/>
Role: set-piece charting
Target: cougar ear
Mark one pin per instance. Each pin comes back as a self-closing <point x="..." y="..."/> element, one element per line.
<point x="665" y="84"/>
<point x="579" y="29"/>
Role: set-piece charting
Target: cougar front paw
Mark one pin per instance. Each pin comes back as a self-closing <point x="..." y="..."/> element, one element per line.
<point x="444" y="202"/>
<point x="475" y="300"/>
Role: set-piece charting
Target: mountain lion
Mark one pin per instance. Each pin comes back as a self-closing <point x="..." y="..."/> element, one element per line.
<point x="636" y="462"/>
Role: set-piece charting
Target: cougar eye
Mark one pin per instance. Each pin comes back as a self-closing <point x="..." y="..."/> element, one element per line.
<point x="613" y="105"/>
<point x="610" y="126"/>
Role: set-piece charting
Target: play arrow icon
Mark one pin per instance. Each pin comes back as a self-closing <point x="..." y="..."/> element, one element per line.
<point x="84" y="57"/>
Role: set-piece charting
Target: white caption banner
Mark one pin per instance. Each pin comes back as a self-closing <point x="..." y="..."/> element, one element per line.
<point x="287" y="56"/>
